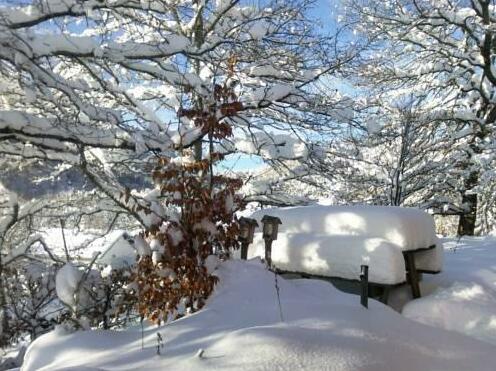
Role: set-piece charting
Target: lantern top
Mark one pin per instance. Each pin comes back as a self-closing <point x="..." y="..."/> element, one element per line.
<point x="271" y="219"/>
<point x="248" y="221"/>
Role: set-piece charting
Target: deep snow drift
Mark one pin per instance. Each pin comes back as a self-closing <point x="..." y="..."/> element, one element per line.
<point x="241" y="328"/>
<point x="463" y="297"/>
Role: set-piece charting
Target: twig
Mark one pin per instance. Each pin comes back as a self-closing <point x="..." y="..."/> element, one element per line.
<point x="160" y="342"/>
<point x="142" y="333"/>
<point x="68" y="259"/>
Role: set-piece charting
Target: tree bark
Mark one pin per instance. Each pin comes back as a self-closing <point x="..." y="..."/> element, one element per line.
<point x="4" y="322"/>
<point x="466" y="223"/>
<point x="4" y="319"/>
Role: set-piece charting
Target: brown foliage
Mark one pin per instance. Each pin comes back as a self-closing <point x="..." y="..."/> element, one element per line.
<point x="175" y="275"/>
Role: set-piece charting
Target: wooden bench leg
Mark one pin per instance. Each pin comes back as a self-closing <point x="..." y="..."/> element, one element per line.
<point x="413" y="277"/>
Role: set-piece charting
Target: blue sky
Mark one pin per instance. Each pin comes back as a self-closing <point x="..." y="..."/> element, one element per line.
<point x="323" y="11"/>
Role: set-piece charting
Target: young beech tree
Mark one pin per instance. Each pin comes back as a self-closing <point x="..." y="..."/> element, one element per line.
<point x="444" y="50"/>
<point x="171" y="275"/>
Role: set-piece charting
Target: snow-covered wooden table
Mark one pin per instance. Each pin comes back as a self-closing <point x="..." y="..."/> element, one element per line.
<point x="334" y="241"/>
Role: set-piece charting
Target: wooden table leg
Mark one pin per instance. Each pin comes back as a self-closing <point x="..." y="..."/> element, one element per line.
<point x="413" y="277"/>
<point x="385" y="295"/>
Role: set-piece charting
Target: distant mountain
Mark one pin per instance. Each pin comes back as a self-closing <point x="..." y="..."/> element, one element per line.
<point x="35" y="180"/>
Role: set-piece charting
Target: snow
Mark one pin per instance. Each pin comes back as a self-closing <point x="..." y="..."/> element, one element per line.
<point x="240" y="328"/>
<point x="117" y="252"/>
<point x="142" y="246"/>
<point x="259" y="29"/>
<point x="463" y="298"/>
<point x="334" y="241"/>
<point x="113" y="247"/>
<point x="273" y="146"/>
<point x="407" y="228"/>
<point x="11" y="358"/>
<point x="335" y="256"/>
<point x="67" y="281"/>
<point x="32" y="125"/>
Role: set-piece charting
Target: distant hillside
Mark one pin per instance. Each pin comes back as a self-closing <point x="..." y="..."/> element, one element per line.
<point x="35" y="181"/>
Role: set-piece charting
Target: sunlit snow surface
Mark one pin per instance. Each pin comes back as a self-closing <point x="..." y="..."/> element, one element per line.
<point x="241" y="329"/>
<point x="463" y="297"/>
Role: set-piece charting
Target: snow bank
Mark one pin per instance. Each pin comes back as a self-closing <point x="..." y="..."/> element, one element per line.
<point x="334" y="241"/>
<point x="463" y="298"/>
<point x="464" y="307"/>
<point x="241" y="329"/>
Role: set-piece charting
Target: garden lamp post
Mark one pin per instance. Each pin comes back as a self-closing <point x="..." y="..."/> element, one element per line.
<point x="364" y="284"/>
<point x="270" y="228"/>
<point x="246" y="231"/>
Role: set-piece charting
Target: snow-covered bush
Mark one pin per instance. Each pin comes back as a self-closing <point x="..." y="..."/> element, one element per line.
<point x="32" y="307"/>
<point x="95" y="297"/>
<point x="41" y="294"/>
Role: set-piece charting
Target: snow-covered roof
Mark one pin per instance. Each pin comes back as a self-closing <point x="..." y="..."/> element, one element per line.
<point x="113" y="246"/>
<point x="120" y="251"/>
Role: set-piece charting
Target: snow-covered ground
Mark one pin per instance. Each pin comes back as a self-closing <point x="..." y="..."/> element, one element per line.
<point x="463" y="297"/>
<point x="320" y="328"/>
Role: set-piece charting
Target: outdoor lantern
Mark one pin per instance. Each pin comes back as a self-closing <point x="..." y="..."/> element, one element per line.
<point x="246" y="231"/>
<point x="270" y="227"/>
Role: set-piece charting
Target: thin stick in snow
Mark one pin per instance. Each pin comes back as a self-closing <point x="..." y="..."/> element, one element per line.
<point x="160" y="342"/>
<point x="278" y="296"/>
<point x="142" y="333"/>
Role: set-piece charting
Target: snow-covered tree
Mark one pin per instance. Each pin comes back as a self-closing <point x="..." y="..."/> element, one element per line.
<point x="393" y="156"/>
<point x="444" y="50"/>
<point x="109" y="87"/>
<point x="99" y="84"/>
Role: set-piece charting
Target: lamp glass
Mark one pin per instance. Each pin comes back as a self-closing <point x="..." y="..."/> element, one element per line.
<point x="245" y="231"/>
<point x="274" y="231"/>
<point x="268" y="229"/>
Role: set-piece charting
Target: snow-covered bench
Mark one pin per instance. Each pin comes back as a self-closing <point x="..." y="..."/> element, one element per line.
<point x="334" y="241"/>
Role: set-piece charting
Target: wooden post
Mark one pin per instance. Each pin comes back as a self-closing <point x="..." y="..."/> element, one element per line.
<point x="364" y="279"/>
<point x="244" y="250"/>
<point x="413" y="278"/>
<point x="268" y="251"/>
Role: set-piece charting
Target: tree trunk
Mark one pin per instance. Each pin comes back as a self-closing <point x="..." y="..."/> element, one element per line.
<point x="199" y="39"/>
<point x="4" y="321"/>
<point x="466" y="223"/>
